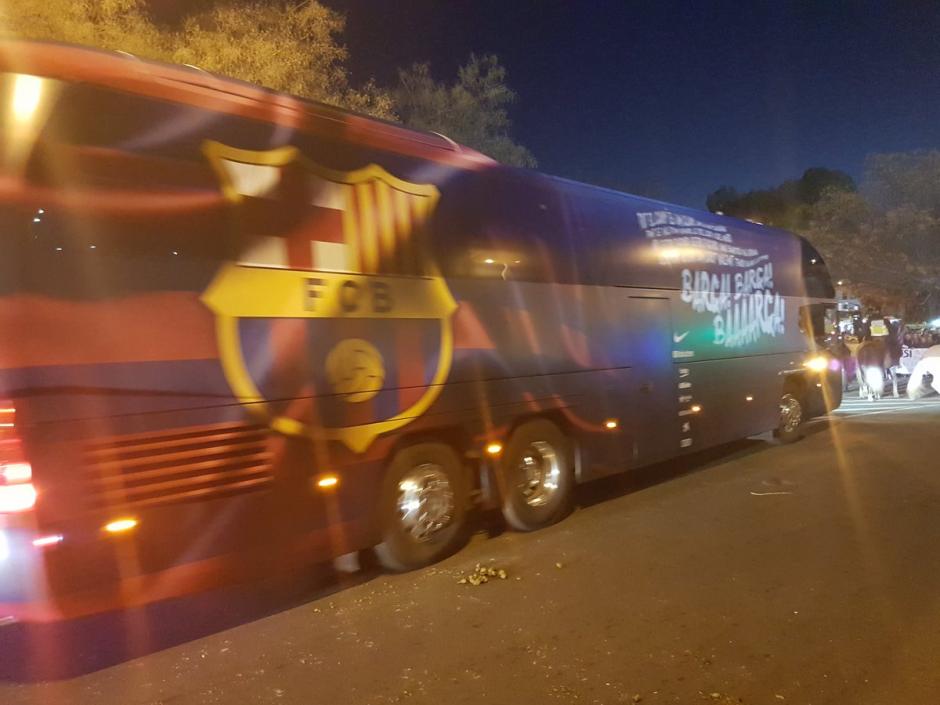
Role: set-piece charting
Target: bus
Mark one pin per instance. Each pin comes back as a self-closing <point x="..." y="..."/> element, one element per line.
<point x="243" y="332"/>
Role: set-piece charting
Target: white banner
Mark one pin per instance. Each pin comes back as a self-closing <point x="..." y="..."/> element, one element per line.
<point x="910" y="357"/>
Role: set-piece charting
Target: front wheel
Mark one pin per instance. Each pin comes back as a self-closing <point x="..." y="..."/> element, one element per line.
<point x="790" y="428"/>
<point x="423" y="506"/>
<point x="536" y="476"/>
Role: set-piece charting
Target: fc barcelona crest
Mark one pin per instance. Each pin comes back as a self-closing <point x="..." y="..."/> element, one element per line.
<point x="333" y="323"/>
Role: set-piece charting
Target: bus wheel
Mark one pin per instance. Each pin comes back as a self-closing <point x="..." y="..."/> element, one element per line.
<point x="791" y="418"/>
<point x="536" y="476"/>
<point x="423" y="506"/>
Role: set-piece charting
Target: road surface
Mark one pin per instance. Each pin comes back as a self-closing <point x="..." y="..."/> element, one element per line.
<point x="756" y="574"/>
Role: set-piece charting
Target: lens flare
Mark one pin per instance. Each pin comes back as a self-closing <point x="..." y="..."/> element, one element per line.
<point x="119" y="526"/>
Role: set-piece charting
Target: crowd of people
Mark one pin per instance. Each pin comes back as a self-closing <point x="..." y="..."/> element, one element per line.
<point x="912" y="336"/>
<point x="920" y="337"/>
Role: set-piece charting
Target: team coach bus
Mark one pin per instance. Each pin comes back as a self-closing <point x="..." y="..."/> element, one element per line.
<point x="241" y="331"/>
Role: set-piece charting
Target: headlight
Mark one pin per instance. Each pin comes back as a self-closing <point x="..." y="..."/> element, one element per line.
<point x="817" y="363"/>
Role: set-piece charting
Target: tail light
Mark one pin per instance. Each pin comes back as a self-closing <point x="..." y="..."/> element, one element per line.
<point x="17" y="492"/>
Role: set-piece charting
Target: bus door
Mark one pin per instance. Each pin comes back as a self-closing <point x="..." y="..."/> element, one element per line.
<point x="653" y="393"/>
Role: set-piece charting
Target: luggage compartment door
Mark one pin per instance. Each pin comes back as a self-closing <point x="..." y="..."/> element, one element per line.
<point x="654" y="401"/>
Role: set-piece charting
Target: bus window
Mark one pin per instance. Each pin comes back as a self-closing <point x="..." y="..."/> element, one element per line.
<point x="502" y="229"/>
<point x="815" y="274"/>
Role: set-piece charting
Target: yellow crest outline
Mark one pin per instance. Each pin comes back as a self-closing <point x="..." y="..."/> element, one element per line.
<point x="434" y="295"/>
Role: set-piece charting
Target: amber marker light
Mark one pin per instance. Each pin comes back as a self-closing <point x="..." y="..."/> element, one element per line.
<point x="818" y="363"/>
<point x="494" y="448"/>
<point x="611" y="424"/>
<point x="327" y="482"/>
<point x="748" y="398"/>
<point x="119" y="526"/>
<point x="695" y="408"/>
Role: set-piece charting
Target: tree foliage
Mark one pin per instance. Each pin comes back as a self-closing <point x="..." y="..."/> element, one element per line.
<point x="889" y="234"/>
<point x="787" y="205"/>
<point x="294" y="47"/>
<point x="474" y="110"/>
<point x="904" y="179"/>
<point x="290" y="47"/>
<point x="883" y="238"/>
<point x="122" y="25"/>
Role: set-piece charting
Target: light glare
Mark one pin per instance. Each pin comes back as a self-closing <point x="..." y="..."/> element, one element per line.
<point x="27" y="92"/>
<point x="50" y="540"/>
<point x="120" y="525"/>
<point x="14" y="473"/>
<point x="817" y="363"/>
<point x="17" y="498"/>
<point x="327" y="482"/>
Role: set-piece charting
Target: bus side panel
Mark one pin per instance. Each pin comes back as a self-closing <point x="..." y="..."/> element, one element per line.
<point x="735" y="398"/>
<point x="524" y="348"/>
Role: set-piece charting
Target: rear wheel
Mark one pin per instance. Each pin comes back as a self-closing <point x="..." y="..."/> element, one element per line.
<point x="423" y="506"/>
<point x="792" y="414"/>
<point x="536" y="476"/>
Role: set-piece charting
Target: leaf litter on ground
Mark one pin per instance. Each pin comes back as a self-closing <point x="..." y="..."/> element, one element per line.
<point x="482" y="574"/>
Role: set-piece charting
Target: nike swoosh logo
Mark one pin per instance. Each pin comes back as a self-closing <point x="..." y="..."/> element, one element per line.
<point x="679" y="338"/>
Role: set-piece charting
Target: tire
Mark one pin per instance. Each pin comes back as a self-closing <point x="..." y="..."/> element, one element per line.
<point x="432" y="477"/>
<point x="536" y="476"/>
<point x="792" y="417"/>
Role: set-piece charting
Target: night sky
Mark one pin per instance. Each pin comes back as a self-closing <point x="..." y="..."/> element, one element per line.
<point x="674" y="100"/>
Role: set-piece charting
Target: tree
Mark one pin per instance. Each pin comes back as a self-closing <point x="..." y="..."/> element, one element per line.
<point x="292" y="47"/>
<point x="472" y="111"/>
<point x="817" y="181"/>
<point x="122" y="25"/>
<point x="287" y="47"/>
<point x="886" y="238"/>
<point x="723" y="200"/>
<point x="904" y="179"/>
<point x="786" y="205"/>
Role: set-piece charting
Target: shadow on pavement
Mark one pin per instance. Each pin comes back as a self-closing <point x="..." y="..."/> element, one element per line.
<point x="631" y="481"/>
<point x="51" y="652"/>
<point x="32" y="653"/>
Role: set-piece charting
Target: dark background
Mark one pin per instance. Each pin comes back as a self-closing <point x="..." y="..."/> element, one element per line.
<point x="673" y="99"/>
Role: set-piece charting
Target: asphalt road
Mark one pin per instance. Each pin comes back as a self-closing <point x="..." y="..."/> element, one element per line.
<point x="757" y="574"/>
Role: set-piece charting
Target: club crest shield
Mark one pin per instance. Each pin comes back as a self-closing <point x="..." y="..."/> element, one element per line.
<point x="332" y="322"/>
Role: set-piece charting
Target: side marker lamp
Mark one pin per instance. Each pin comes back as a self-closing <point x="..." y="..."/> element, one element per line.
<point x="119" y="526"/>
<point x="17" y="491"/>
<point x="817" y="363"/>
<point x="327" y="482"/>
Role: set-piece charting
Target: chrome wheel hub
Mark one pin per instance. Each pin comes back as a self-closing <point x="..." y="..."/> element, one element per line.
<point x="425" y="501"/>
<point x="539" y="472"/>
<point x="791" y="413"/>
